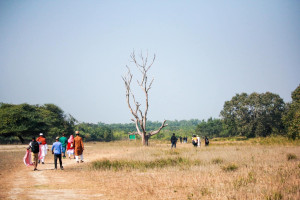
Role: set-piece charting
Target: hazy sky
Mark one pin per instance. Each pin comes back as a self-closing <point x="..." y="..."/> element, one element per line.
<point x="73" y="54"/>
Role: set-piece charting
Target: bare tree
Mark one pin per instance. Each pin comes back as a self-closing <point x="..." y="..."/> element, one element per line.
<point x="140" y="117"/>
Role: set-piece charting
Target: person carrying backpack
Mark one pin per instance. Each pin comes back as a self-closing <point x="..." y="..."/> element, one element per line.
<point x="34" y="146"/>
<point x="194" y="140"/>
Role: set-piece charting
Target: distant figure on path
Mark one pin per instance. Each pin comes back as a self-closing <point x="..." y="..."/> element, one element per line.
<point x="199" y="141"/>
<point x="206" y="141"/>
<point x="194" y="141"/>
<point x="70" y="147"/>
<point x="57" y="151"/>
<point x="173" y="141"/>
<point x="185" y="139"/>
<point x="43" y="146"/>
<point x="35" y="149"/>
<point x="64" y="142"/>
<point x="78" y="147"/>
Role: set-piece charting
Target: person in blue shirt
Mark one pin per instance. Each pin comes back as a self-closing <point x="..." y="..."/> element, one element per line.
<point x="57" y="151"/>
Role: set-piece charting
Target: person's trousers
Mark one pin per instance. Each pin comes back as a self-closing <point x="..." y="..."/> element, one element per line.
<point x="55" y="160"/>
<point x="173" y="145"/>
<point x="77" y="157"/>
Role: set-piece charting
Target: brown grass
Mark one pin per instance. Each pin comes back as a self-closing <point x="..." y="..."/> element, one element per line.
<point x="216" y="172"/>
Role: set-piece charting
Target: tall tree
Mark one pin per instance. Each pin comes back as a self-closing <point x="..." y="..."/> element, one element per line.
<point x="26" y="120"/>
<point x="211" y="127"/>
<point x="140" y="117"/>
<point x="292" y="116"/>
<point x="253" y="115"/>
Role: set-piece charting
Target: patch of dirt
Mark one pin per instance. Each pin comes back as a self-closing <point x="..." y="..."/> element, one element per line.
<point x="47" y="183"/>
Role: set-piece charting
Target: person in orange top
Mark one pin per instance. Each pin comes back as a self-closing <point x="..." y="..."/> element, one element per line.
<point x="43" y="146"/>
<point x="78" y="147"/>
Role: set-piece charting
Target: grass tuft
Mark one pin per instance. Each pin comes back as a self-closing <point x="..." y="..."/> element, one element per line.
<point x="230" y="167"/>
<point x="275" y="196"/>
<point x="291" y="156"/>
<point x="244" y="181"/>
<point x="217" y="161"/>
<point x="117" y="165"/>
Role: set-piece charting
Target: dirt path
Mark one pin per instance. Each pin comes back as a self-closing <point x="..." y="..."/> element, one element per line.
<point x="47" y="183"/>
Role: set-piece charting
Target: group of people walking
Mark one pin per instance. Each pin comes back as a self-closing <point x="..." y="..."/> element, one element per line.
<point x="196" y="140"/>
<point x="38" y="147"/>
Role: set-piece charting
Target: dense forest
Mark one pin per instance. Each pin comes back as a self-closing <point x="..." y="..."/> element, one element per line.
<point x="248" y="115"/>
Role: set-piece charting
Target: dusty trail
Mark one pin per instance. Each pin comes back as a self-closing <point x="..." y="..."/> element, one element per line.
<point x="47" y="183"/>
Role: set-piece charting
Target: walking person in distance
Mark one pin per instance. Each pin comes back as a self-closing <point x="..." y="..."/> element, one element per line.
<point x="57" y="151"/>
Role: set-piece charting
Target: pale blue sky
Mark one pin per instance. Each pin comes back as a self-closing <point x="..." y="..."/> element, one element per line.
<point x="73" y="54"/>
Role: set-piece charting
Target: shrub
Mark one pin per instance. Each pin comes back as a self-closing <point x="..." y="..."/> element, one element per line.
<point x="275" y="196"/>
<point x="230" y="167"/>
<point x="217" y="161"/>
<point x="135" y="164"/>
<point x="291" y="156"/>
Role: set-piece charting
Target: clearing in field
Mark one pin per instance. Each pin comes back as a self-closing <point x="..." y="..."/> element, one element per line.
<point x="126" y="170"/>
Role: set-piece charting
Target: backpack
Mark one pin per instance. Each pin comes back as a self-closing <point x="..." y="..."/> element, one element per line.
<point x="35" y="147"/>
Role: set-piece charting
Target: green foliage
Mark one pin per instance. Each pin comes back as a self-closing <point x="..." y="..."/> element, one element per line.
<point x="210" y="128"/>
<point x="180" y="128"/>
<point x="291" y="117"/>
<point x="253" y="115"/>
<point x="25" y="121"/>
<point x="95" y="132"/>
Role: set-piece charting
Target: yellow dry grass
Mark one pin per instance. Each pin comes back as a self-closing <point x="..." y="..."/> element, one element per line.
<point x="236" y="171"/>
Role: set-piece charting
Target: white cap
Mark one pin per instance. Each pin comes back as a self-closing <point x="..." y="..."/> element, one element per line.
<point x="41" y="133"/>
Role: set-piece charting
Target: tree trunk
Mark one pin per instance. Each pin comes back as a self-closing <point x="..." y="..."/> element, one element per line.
<point x="21" y="139"/>
<point x="145" y="139"/>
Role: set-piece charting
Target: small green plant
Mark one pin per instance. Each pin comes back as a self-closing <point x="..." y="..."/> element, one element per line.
<point x="275" y="196"/>
<point x="217" y="161"/>
<point x="230" y="167"/>
<point x="291" y="156"/>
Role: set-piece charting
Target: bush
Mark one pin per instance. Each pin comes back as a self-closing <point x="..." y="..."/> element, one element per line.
<point x="117" y="165"/>
<point x="217" y="161"/>
<point x="230" y="167"/>
<point x="291" y="156"/>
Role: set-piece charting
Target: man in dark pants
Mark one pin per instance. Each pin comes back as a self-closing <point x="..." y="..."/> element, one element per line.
<point x="34" y="146"/>
<point x="173" y="140"/>
<point x="57" y="147"/>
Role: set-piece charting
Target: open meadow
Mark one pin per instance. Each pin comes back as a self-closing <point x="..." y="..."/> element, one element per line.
<point x="251" y="169"/>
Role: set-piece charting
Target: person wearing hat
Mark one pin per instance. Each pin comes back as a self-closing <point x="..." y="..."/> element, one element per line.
<point x="44" y="147"/>
<point x="57" y="151"/>
<point x="78" y="147"/>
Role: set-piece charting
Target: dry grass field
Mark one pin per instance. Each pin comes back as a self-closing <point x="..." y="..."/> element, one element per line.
<point x="255" y="169"/>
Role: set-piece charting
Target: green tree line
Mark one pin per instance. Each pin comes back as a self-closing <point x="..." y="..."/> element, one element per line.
<point x="255" y="115"/>
<point x="248" y="115"/>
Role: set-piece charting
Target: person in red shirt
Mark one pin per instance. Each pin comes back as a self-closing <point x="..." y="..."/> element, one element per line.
<point x="43" y="146"/>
